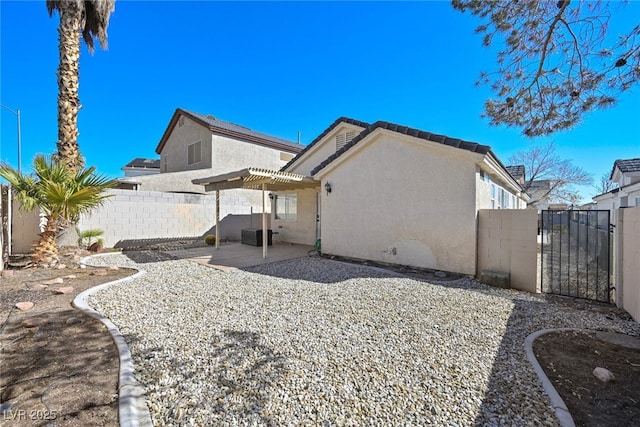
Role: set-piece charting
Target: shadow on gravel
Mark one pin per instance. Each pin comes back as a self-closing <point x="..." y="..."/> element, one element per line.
<point x="241" y="374"/>
<point x="143" y="257"/>
<point x="317" y="270"/>
<point x="499" y="400"/>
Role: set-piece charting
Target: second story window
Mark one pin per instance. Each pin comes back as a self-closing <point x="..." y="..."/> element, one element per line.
<point x="195" y="153"/>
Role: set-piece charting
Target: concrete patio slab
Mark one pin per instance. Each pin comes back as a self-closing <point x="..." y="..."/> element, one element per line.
<point x="236" y="255"/>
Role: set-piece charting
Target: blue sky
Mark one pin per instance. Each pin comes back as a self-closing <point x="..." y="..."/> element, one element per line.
<point x="278" y="68"/>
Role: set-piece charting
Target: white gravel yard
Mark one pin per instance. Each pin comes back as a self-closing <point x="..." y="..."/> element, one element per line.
<point x="315" y="342"/>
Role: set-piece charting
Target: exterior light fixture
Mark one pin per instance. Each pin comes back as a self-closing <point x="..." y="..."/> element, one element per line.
<point x="327" y="187"/>
<point x="271" y="196"/>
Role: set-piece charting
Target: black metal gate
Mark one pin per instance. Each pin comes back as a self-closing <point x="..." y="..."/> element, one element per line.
<point x="576" y="254"/>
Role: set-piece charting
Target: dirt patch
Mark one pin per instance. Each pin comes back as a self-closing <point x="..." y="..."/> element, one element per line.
<point x="64" y="370"/>
<point x="568" y="359"/>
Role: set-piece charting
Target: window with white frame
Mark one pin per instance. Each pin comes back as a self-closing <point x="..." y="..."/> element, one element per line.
<point x="493" y="196"/>
<point x="286" y="207"/>
<point x="194" y="153"/>
<point x="505" y="199"/>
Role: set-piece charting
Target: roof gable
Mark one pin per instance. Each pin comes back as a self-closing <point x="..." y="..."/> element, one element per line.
<point x="405" y="130"/>
<point x="626" y="166"/>
<point x="324" y="133"/>
<point x="516" y="171"/>
<point x="225" y="128"/>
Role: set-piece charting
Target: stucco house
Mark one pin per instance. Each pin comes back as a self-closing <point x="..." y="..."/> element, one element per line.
<point x="626" y="175"/>
<point x="140" y="166"/>
<point x="194" y="145"/>
<point x="385" y="192"/>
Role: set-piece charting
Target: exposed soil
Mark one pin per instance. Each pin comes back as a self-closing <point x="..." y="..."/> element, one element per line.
<point x="569" y="358"/>
<point x="65" y="371"/>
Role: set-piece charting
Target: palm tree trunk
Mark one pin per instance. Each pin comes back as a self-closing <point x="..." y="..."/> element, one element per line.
<point x="68" y="71"/>
<point x="46" y="250"/>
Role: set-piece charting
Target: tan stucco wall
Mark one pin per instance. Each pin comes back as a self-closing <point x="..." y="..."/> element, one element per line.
<point x="393" y="192"/>
<point x="231" y="154"/>
<point x="25" y="228"/>
<point x="176" y="146"/>
<point x="630" y="270"/>
<point x="321" y="150"/>
<point x="303" y="229"/>
<point x="507" y="243"/>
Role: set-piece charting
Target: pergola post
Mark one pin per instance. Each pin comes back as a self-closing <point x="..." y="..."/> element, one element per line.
<point x="265" y="234"/>
<point x="217" y="219"/>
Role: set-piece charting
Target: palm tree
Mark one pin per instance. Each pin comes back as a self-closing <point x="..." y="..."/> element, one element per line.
<point x="61" y="194"/>
<point x="91" y="18"/>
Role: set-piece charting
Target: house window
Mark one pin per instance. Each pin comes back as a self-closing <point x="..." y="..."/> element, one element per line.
<point x="505" y="200"/>
<point x="344" y="138"/>
<point x="493" y="196"/>
<point x="195" y="153"/>
<point x="165" y="163"/>
<point x="286" y="207"/>
<point x="181" y="121"/>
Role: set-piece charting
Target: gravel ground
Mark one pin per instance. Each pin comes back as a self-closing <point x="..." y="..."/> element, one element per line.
<point x="315" y="342"/>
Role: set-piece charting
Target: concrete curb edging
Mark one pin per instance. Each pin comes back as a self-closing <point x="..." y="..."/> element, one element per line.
<point x="559" y="407"/>
<point x="132" y="409"/>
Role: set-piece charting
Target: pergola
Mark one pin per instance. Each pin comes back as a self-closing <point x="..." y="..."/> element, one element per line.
<point x="255" y="179"/>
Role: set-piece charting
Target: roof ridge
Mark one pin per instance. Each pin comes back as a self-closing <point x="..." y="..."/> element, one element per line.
<point x="414" y="132"/>
<point x="336" y="122"/>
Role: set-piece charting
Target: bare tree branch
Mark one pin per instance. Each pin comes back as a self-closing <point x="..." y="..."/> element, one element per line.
<point x="549" y="177"/>
<point x="556" y="64"/>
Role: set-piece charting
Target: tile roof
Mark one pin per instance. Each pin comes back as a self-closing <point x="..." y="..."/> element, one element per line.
<point x="440" y="139"/>
<point x="139" y="162"/>
<point x="229" y="129"/>
<point x="628" y="165"/>
<point x="323" y="134"/>
<point x="516" y="171"/>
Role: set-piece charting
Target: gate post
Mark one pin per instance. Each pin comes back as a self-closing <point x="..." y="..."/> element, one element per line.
<point x="616" y="255"/>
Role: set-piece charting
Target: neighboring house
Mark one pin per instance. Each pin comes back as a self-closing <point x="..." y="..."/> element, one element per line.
<point x="139" y="166"/>
<point x="626" y="174"/>
<point x="195" y="145"/>
<point x="538" y="190"/>
<point x="518" y="173"/>
<point x="388" y="193"/>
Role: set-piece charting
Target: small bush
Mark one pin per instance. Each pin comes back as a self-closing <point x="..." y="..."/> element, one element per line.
<point x="88" y="237"/>
<point x="210" y="239"/>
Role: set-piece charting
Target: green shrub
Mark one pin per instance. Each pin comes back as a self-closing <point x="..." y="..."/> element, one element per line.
<point x="210" y="239"/>
<point x="88" y="237"/>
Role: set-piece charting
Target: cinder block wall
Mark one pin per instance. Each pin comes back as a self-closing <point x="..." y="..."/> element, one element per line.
<point x="130" y="214"/>
<point x="25" y="227"/>
<point x="507" y="243"/>
<point x="630" y="262"/>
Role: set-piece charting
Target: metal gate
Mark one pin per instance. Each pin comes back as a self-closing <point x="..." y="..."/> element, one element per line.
<point x="575" y="254"/>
